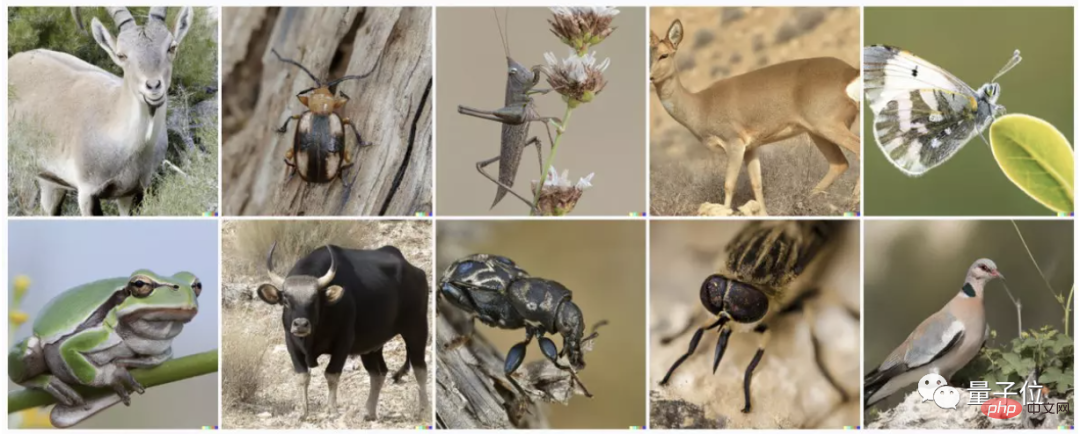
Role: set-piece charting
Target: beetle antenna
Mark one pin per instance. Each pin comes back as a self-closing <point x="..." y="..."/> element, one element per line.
<point x="333" y="84"/>
<point x="301" y="66"/>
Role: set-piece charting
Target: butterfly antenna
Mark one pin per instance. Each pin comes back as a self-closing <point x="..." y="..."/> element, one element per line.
<point x="1008" y="66"/>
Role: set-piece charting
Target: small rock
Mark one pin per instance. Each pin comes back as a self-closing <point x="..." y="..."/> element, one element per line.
<point x="731" y="15"/>
<point x="710" y="209"/>
<point x="264" y="415"/>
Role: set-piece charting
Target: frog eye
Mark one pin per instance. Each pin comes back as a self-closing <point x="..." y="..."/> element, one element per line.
<point x="140" y="286"/>
<point x="197" y="287"/>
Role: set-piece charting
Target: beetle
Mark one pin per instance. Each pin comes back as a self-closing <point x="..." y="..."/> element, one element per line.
<point x="751" y="286"/>
<point x="318" y="150"/>
<point x="495" y="290"/>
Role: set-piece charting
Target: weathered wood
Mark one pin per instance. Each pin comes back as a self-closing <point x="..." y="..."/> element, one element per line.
<point x="391" y="108"/>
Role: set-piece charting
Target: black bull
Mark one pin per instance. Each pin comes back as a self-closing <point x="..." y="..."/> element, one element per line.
<point x="345" y="302"/>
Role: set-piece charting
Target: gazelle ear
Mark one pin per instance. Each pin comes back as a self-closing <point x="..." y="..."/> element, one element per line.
<point x="675" y="33"/>
<point x="654" y="41"/>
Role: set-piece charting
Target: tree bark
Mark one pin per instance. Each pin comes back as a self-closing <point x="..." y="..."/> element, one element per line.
<point x="472" y="391"/>
<point x="391" y="108"/>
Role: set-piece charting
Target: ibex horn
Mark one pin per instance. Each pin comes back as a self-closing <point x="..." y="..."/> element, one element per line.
<point x="121" y="16"/>
<point x="158" y="13"/>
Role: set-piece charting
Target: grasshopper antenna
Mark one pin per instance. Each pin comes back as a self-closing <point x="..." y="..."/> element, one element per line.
<point x="503" y="37"/>
<point x="301" y="66"/>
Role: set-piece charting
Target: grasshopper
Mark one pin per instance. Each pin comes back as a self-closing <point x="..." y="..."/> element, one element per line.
<point x="517" y="114"/>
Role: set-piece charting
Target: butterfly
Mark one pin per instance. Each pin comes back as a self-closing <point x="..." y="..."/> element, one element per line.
<point x="923" y="114"/>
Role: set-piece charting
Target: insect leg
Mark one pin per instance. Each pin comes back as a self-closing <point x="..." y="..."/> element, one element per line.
<point x="764" y="331"/>
<point x="721" y="346"/>
<point x="480" y="168"/>
<point x="348" y="159"/>
<point x="548" y="348"/>
<point x="693" y="346"/>
<point x="285" y="126"/>
<point x="512" y="115"/>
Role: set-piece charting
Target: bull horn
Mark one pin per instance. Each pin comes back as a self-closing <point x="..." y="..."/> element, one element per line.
<point x="325" y="280"/>
<point x="158" y="13"/>
<point x="275" y="279"/>
<point x="121" y="16"/>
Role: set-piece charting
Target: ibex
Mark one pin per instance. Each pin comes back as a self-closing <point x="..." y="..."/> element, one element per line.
<point x="817" y="96"/>
<point x="107" y="134"/>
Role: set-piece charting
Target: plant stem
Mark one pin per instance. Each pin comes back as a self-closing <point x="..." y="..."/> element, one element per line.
<point x="550" y="158"/>
<point x="168" y="372"/>
<point x="1032" y="258"/>
<point x="1068" y="308"/>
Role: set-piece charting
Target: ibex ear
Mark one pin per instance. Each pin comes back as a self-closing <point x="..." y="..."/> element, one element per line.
<point x="654" y="41"/>
<point x="105" y="40"/>
<point x="333" y="294"/>
<point x="674" y="33"/>
<point x="183" y="24"/>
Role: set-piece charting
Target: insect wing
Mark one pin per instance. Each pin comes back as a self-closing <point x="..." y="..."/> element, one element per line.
<point x="922" y="113"/>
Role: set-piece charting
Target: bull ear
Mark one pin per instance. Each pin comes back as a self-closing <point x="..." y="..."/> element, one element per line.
<point x="333" y="294"/>
<point x="269" y="294"/>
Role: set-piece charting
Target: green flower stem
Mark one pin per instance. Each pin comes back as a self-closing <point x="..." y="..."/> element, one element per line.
<point x="168" y="372"/>
<point x="551" y="157"/>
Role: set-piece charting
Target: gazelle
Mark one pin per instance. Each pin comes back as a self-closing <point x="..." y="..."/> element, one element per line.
<point x="107" y="133"/>
<point x="817" y="96"/>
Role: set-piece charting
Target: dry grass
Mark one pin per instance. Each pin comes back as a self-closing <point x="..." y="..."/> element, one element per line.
<point x="692" y="175"/>
<point x="295" y="239"/>
<point x="246" y="348"/>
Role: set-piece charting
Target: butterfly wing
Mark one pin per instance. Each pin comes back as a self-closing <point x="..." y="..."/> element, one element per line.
<point x="922" y="113"/>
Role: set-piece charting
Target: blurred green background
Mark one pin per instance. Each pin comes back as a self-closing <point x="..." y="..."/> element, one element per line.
<point x="603" y="264"/>
<point x="913" y="268"/>
<point x="973" y="44"/>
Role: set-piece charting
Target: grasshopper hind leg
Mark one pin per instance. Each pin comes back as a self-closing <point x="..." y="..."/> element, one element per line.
<point x="503" y="187"/>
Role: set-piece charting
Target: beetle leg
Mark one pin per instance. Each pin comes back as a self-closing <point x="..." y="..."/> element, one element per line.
<point x="693" y="346"/>
<point x="285" y="126"/>
<point x="764" y="331"/>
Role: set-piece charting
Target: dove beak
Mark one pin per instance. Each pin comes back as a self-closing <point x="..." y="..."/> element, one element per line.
<point x="999" y="275"/>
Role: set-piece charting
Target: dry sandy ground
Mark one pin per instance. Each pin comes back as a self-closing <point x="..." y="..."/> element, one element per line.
<point x="252" y="329"/>
<point x="723" y="42"/>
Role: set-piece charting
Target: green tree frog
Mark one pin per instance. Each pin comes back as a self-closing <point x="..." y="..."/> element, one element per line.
<point x="93" y="333"/>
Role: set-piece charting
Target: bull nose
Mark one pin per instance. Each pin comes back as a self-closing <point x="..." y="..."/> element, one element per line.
<point x="301" y="327"/>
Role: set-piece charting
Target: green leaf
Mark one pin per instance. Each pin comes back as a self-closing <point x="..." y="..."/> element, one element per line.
<point x="1036" y="157"/>
<point x="1010" y="362"/>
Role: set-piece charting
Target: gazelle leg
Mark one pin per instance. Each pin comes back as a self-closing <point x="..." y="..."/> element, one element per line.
<point x="735" y="152"/>
<point x="753" y="168"/>
<point x="838" y="164"/>
<point x="839" y="134"/>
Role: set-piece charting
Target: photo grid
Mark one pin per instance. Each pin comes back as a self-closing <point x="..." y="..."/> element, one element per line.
<point x="457" y="219"/>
